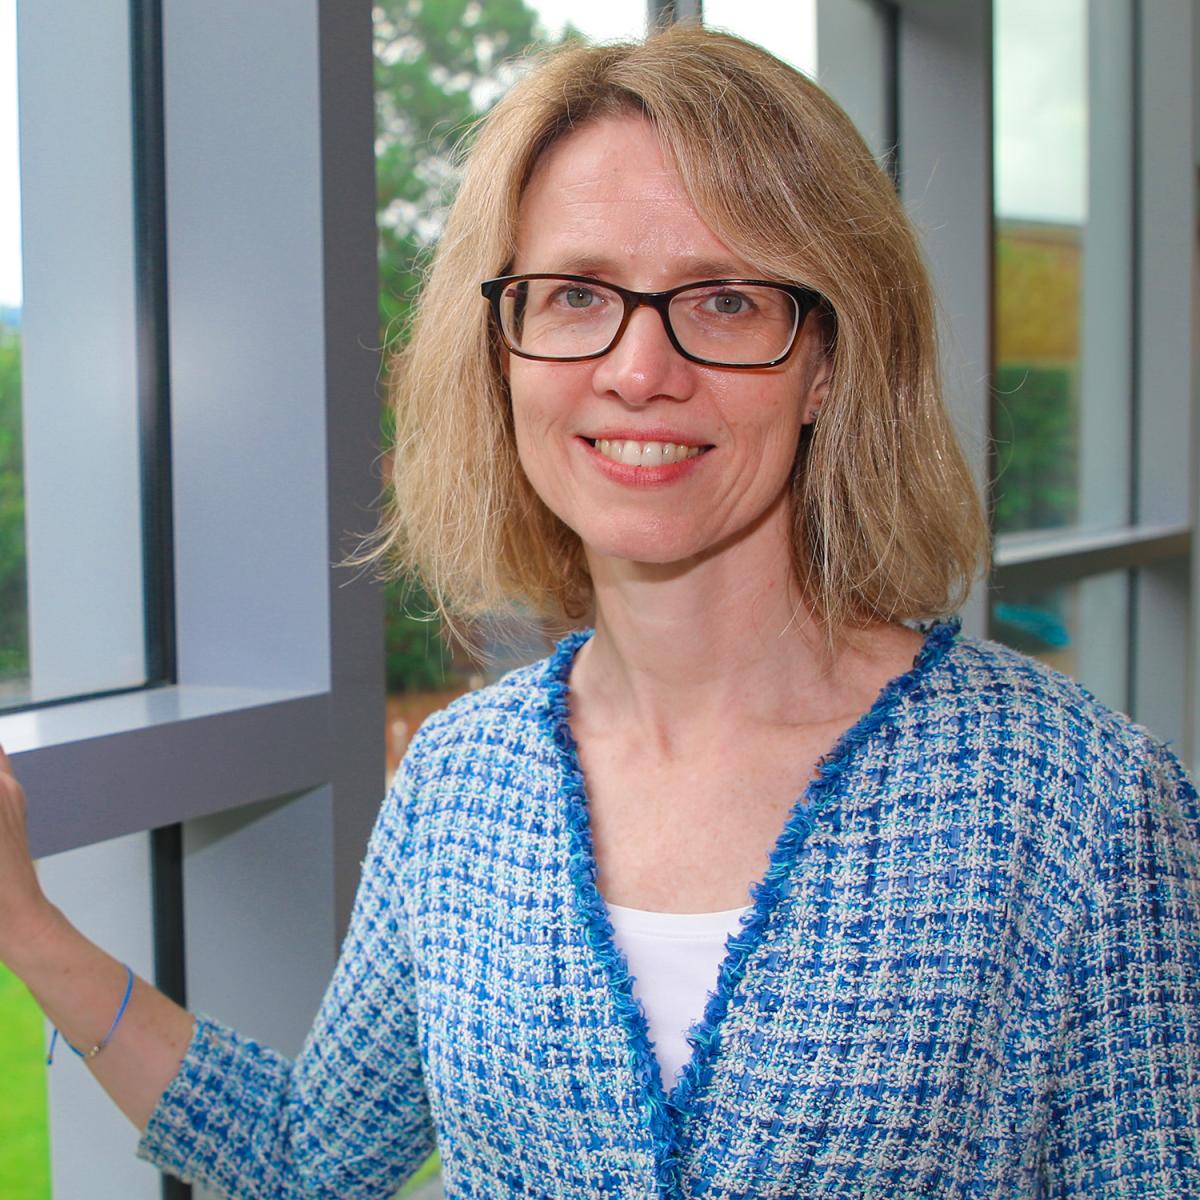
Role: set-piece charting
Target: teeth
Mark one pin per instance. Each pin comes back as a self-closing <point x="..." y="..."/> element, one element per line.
<point x="645" y="454"/>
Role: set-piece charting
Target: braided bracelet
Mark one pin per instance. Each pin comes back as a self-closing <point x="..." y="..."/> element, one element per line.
<point x="86" y="1054"/>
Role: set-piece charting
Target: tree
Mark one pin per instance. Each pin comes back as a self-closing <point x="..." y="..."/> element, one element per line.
<point x="14" y="649"/>
<point x="439" y="65"/>
<point x="1035" y="428"/>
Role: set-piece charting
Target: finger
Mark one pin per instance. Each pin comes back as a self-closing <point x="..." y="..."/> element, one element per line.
<point x="5" y="765"/>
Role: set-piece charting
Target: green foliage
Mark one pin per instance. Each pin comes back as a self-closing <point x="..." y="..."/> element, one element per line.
<point x="437" y="68"/>
<point x="1035" y="423"/>
<point x="427" y="1171"/>
<point x="14" y="649"/>
<point x="24" y="1136"/>
<point x="417" y="657"/>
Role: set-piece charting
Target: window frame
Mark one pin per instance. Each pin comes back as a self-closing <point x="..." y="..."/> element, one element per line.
<point x="276" y="712"/>
<point x="166" y="754"/>
<point x="944" y="88"/>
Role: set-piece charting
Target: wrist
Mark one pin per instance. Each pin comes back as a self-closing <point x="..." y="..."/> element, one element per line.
<point x="35" y="938"/>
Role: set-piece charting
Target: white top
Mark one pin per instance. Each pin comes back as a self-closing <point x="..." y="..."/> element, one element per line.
<point x="674" y="959"/>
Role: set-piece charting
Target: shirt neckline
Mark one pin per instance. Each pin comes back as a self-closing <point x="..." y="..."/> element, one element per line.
<point x="670" y="926"/>
<point x="665" y="1114"/>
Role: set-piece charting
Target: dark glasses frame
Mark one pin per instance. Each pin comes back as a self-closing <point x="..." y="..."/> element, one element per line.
<point x="806" y="300"/>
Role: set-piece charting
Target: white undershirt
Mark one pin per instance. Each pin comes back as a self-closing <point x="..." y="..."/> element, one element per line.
<point x="674" y="959"/>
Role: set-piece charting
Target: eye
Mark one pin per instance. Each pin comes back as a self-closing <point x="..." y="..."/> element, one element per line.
<point x="579" y="296"/>
<point x="728" y="303"/>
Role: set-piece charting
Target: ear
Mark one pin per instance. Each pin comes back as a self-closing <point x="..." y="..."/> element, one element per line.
<point x="818" y="387"/>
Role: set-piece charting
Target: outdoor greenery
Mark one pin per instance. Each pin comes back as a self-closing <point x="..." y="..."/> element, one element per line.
<point x="1035" y="411"/>
<point x="438" y="67"/>
<point x="14" y="652"/>
<point x="24" y="1137"/>
<point x="1035" y="432"/>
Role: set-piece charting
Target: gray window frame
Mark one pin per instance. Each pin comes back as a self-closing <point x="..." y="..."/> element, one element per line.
<point x="944" y="129"/>
<point x="276" y="718"/>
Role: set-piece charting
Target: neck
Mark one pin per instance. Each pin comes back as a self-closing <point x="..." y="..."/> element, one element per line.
<point x="683" y="650"/>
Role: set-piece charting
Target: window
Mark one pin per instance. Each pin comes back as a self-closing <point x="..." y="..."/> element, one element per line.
<point x="788" y="32"/>
<point x="14" y="617"/>
<point x="71" y="539"/>
<point x="275" y="705"/>
<point x="72" y="568"/>
<point x="1078" y="550"/>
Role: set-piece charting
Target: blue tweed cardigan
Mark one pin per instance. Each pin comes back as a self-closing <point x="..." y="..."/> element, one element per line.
<point x="972" y="969"/>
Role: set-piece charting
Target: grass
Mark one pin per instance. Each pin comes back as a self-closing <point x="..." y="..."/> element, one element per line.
<point x="24" y="1135"/>
<point x="429" y="1171"/>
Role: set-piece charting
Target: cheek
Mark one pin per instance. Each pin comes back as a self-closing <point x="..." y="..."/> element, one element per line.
<point x="543" y="399"/>
<point x="527" y="455"/>
<point x="525" y="413"/>
<point x="538" y="443"/>
<point x="767" y="421"/>
<point x="529" y="423"/>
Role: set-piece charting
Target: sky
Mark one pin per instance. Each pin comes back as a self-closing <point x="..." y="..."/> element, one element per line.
<point x="787" y="30"/>
<point x="1041" y="111"/>
<point x="10" y="200"/>
<point x="601" y="22"/>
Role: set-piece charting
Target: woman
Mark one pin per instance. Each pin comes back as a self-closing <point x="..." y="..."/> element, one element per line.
<point x="699" y="409"/>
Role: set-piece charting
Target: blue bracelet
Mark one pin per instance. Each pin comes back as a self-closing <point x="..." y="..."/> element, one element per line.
<point x="86" y="1054"/>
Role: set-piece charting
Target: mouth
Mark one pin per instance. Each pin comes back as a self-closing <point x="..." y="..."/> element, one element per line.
<point x="640" y="453"/>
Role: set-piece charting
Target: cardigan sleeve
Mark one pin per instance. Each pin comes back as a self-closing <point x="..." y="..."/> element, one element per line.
<point x="349" y="1120"/>
<point x="1125" y="1116"/>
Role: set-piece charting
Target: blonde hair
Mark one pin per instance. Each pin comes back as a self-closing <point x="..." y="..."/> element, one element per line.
<point x="887" y="524"/>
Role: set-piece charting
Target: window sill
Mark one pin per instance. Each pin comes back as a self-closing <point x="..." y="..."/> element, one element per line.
<point x="107" y="767"/>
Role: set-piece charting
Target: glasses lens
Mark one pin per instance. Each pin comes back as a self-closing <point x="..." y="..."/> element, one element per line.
<point x="559" y="318"/>
<point x="736" y="323"/>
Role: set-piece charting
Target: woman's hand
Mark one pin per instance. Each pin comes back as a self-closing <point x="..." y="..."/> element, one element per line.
<point x="23" y="905"/>
<point x="77" y="984"/>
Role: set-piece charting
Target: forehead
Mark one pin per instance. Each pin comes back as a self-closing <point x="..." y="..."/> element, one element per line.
<point x="605" y="200"/>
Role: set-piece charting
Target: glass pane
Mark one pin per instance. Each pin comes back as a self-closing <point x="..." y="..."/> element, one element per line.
<point x="1081" y="629"/>
<point x="24" y="1135"/>
<point x="1063" y="181"/>
<point x="788" y="31"/>
<point x="14" y="617"/>
<point x="70" y="502"/>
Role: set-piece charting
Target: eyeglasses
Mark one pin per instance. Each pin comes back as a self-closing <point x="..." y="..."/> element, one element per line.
<point x="716" y="322"/>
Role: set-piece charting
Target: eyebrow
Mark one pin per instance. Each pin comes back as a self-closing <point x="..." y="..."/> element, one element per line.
<point x="687" y="268"/>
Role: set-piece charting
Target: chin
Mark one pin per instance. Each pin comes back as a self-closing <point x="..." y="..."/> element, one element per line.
<point x="656" y="547"/>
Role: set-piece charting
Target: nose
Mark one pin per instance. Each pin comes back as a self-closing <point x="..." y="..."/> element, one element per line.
<point x="643" y="365"/>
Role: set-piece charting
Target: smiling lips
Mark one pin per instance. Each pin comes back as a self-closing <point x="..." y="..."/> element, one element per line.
<point x="637" y="453"/>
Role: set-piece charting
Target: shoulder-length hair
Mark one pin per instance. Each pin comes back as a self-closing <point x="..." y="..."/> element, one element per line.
<point x="886" y="521"/>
